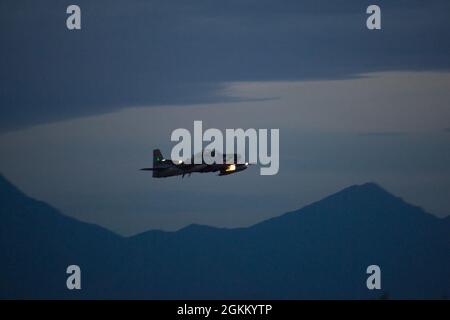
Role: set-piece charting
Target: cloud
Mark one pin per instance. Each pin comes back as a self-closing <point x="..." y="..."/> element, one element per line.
<point x="382" y="134"/>
<point x="151" y="53"/>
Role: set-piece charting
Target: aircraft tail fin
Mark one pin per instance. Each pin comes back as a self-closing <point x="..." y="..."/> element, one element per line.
<point x="157" y="158"/>
<point x="157" y="163"/>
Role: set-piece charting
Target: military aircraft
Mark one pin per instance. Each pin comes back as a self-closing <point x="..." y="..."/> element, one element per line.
<point x="163" y="168"/>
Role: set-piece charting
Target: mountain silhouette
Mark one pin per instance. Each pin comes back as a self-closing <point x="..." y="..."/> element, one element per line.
<point x="318" y="252"/>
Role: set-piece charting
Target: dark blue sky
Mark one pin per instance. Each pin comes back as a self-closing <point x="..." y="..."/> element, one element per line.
<point x="82" y="110"/>
<point x="132" y="53"/>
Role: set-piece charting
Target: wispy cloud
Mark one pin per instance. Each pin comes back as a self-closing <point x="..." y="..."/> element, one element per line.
<point x="382" y="134"/>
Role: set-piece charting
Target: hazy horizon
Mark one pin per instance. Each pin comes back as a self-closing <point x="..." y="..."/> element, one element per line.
<point x="91" y="171"/>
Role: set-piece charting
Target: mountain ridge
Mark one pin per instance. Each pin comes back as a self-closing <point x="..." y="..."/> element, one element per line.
<point x="317" y="252"/>
<point x="367" y="187"/>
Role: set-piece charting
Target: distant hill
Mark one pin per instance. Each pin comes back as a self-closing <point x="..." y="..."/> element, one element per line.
<point x="320" y="251"/>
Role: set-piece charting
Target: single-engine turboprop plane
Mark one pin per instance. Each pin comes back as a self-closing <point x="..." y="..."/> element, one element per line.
<point x="163" y="168"/>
